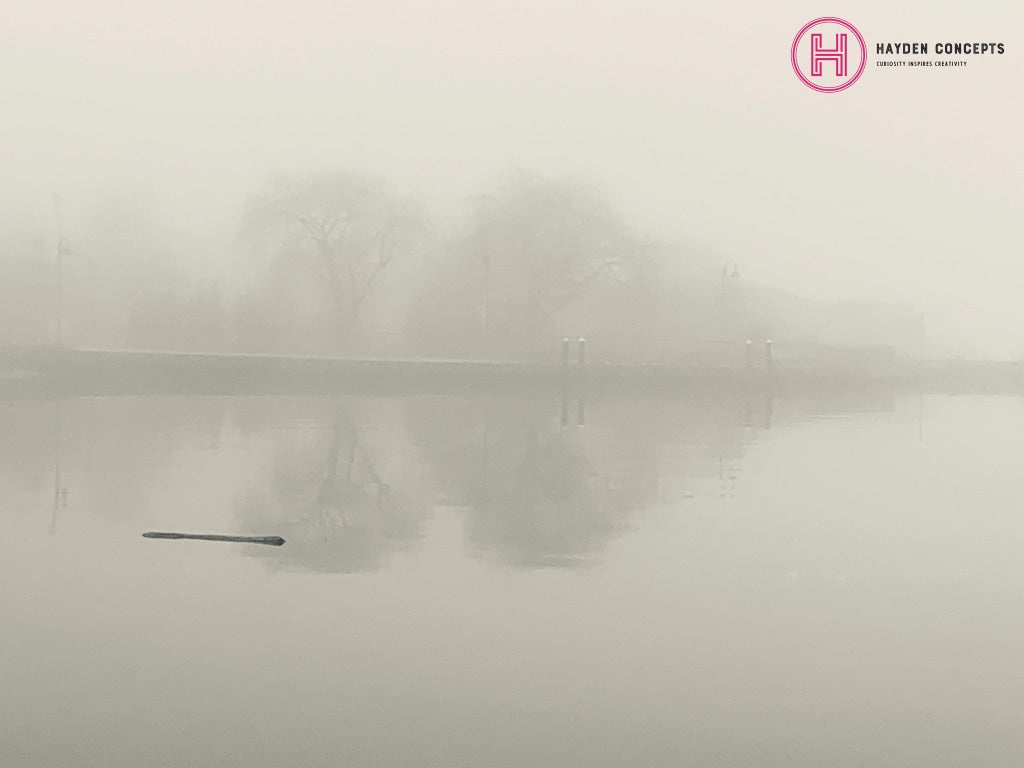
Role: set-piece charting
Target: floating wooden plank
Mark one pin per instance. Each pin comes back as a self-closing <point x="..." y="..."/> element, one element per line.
<point x="273" y="541"/>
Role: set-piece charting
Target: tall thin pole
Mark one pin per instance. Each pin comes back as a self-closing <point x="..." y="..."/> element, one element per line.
<point x="487" y="305"/>
<point x="721" y="300"/>
<point x="62" y="250"/>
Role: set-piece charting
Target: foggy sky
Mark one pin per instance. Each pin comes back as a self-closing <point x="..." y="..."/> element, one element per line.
<point x="906" y="186"/>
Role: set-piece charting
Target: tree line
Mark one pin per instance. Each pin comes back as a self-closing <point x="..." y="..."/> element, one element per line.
<point x="342" y="263"/>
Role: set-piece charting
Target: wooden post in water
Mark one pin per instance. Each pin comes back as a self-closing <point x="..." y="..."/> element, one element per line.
<point x="748" y="348"/>
<point x="769" y="356"/>
<point x="581" y="352"/>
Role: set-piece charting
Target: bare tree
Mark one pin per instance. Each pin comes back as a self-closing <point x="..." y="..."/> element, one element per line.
<point x="545" y="244"/>
<point x="345" y="228"/>
<point x="533" y="248"/>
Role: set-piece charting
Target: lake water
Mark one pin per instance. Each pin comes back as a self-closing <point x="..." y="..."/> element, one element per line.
<point x="486" y="582"/>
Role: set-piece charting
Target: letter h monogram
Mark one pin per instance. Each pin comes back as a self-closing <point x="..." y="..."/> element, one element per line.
<point x="820" y="54"/>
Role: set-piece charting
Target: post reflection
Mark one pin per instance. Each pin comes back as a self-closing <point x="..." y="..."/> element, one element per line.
<point x="60" y="492"/>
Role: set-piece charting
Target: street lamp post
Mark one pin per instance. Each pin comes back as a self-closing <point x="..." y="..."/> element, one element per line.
<point x="487" y="304"/>
<point x="483" y="242"/>
<point x="63" y="249"/>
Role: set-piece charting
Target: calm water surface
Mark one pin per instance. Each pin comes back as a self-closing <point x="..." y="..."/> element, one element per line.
<point x="473" y="582"/>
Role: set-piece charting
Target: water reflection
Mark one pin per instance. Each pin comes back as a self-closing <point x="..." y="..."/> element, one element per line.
<point x="856" y="586"/>
<point x="60" y="492"/>
<point x="547" y="496"/>
<point x="349" y="482"/>
<point x="330" y="498"/>
<point x="536" y="491"/>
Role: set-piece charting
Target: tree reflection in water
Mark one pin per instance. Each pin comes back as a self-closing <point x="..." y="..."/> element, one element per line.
<point x="537" y="494"/>
<point x="329" y="499"/>
<point x="533" y="488"/>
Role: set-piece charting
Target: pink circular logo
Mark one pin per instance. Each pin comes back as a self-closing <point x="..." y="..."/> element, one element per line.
<point x="829" y="54"/>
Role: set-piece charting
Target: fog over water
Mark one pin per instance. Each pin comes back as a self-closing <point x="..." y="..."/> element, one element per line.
<point x="689" y="118"/>
<point x="602" y="394"/>
<point x="479" y="585"/>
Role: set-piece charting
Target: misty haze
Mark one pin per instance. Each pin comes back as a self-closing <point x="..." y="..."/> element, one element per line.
<point x="538" y="384"/>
